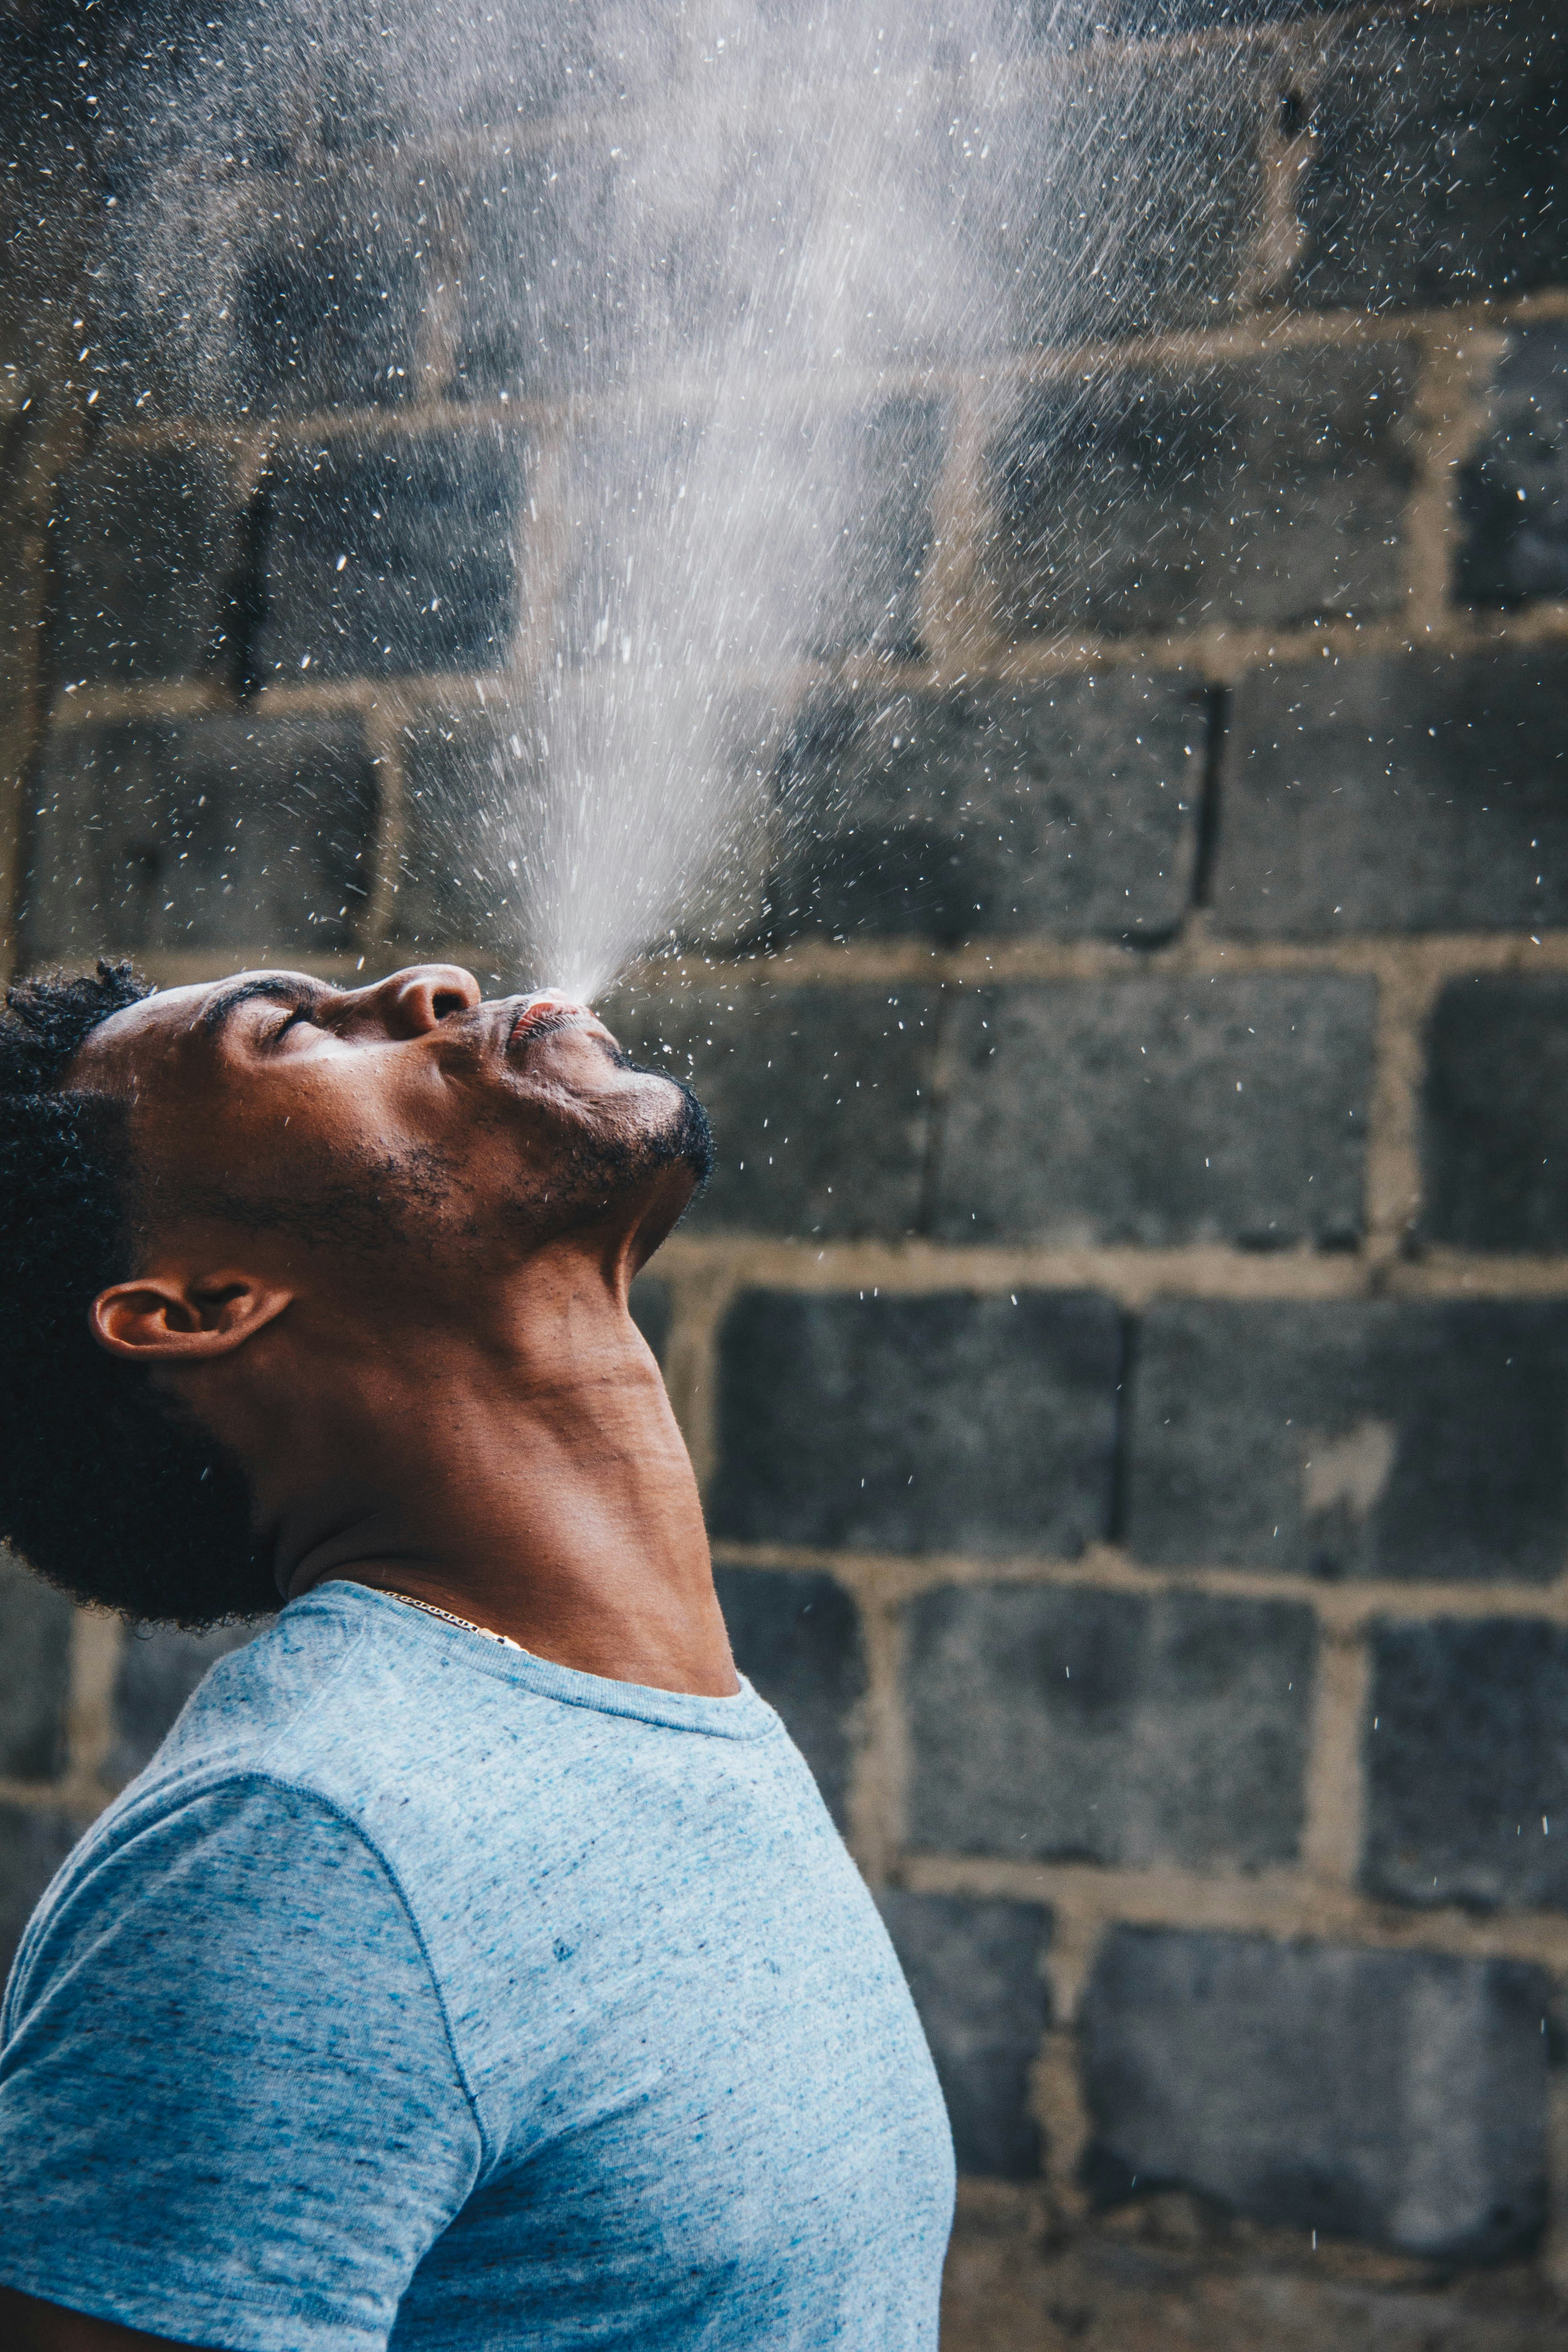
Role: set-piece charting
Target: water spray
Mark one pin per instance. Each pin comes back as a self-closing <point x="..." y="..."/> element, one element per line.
<point x="754" y="297"/>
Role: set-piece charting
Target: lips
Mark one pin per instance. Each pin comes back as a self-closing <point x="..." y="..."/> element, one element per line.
<point x="550" y="1009"/>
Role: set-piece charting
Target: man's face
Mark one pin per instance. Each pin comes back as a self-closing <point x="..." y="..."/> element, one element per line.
<point x="410" y="1108"/>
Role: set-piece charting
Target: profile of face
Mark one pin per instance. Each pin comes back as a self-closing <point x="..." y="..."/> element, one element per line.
<point x="266" y="1222"/>
<point x="410" y="1114"/>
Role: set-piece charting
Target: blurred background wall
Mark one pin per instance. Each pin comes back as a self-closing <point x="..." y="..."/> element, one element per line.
<point x="1125" y="1345"/>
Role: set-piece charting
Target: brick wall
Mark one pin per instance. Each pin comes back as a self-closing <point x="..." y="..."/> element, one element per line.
<point x="1125" y="1345"/>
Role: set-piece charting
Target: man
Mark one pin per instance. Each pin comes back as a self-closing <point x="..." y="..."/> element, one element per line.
<point x="475" y="1965"/>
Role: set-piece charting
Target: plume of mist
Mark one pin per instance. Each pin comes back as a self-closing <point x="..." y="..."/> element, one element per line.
<point x="723" y="265"/>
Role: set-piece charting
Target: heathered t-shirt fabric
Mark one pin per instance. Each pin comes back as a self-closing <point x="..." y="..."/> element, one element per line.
<point x="424" y="1992"/>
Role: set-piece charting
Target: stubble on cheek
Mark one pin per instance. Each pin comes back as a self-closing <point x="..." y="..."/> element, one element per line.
<point x="357" y="1204"/>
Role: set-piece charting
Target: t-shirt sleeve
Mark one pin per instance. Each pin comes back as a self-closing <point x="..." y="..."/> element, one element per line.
<point x="230" y="2111"/>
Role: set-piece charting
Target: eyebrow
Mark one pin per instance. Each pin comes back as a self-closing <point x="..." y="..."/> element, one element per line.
<point x="216" y="1016"/>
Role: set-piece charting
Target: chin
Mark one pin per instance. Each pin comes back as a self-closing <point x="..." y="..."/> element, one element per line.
<point x="671" y="1129"/>
<point x="638" y="1152"/>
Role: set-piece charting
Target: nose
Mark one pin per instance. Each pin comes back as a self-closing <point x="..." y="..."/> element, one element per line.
<point x="418" y="999"/>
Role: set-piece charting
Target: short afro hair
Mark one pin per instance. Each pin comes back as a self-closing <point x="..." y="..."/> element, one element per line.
<point x="107" y="1488"/>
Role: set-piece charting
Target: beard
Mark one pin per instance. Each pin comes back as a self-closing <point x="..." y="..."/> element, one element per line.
<point x="419" y="1199"/>
<point x="605" y="1164"/>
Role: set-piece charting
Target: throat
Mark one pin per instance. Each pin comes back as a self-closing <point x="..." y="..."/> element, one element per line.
<point x="566" y="1519"/>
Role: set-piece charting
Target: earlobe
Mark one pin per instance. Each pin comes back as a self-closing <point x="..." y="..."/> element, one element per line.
<point x="162" y="1318"/>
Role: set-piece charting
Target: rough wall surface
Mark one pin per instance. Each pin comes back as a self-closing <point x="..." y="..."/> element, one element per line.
<point x="1126" y="1343"/>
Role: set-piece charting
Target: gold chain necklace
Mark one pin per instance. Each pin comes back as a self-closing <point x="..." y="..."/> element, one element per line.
<point x="449" y="1617"/>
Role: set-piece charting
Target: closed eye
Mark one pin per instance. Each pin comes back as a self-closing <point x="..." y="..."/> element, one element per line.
<point x="296" y="993"/>
<point x="296" y="1012"/>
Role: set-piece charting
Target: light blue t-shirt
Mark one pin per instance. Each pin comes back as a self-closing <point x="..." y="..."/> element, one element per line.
<point x="422" y="1992"/>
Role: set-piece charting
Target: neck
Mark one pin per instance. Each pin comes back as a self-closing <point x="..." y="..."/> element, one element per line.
<point x="522" y="1469"/>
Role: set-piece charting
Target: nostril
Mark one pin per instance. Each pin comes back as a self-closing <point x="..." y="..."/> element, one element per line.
<point x="445" y="1001"/>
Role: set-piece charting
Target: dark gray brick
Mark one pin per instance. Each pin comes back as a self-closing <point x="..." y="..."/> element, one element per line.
<point x="1151" y="20"/>
<point x="1410" y="1439"/>
<point x="467" y="781"/>
<point x="328" y="305"/>
<point x="939" y="1424"/>
<point x="367" y="88"/>
<point x="148" y="344"/>
<point x="1070" y="808"/>
<point x="1416" y="793"/>
<point x="1050" y="26"/>
<point x="32" y="1847"/>
<point x="138" y="359"/>
<point x="585" y="266"/>
<point x="819" y="1099"/>
<point x="797" y="1635"/>
<point x="1396" y="2096"/>
<point x="35" y="1674"/>
<point x="427" y="529"/>
<point x="651" y="1306"/>
<point x="144" y="554"/>
<point x="1495" y="1106"/>
<point x="976" y="1970"/>
<point x="564" y="64"/>
<point x="592" y="264"/>
<point x="553" y="297"/>
<point x="878" y="475"/>
<point x="1514" y="493"/>
<point x="1437" y="173"/>
<point x="300" y="288"/>
<point x="202" y="112"/>
<point x="158" y="1672"/>
<point x="1258" y="492"/>
<point x="1097" y="235"/>
<point x="214" y="833"/>
<point x="1467" y="1759"/>
<point x="1109" y="1726"/>
<point x="482" y="808"/>
<point x="1156" y="1111"/>
<point x="826" y="522"/>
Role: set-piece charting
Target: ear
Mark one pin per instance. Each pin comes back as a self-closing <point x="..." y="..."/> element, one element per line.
<point x="164" y="1318"/>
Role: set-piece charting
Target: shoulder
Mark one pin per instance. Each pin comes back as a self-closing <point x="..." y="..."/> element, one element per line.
<point x="336" y="1697"/>
<point x="227" y="1870"/>
<point x="228" y="2073"/>
<point x="254" y="1807"/>
<point x="340" y="1731"/>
